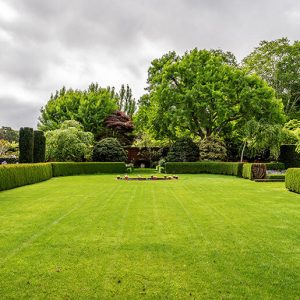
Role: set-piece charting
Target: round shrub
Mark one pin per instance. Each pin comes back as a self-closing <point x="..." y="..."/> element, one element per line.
<point x="183" y="150"/>
<point x="212" y="148"/>
<point x="109" y="149"/>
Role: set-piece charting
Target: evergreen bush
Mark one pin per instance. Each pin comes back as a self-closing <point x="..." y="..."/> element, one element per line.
<point x="26" y="144"/>
<point x="109" y="150"/>
<point x="39" y="149"/>
<point x="183" y="150"/>
<point x="212" y="148"/>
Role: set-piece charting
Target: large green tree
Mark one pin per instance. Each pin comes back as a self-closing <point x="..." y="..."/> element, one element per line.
<point x="89" y="107"/>
<point x="278" y="62"/>
<point x="201" y="94"/>
<point x="126" y="101"/>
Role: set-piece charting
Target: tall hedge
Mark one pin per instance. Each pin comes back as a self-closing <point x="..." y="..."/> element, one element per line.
<point x="39" y="149"/>
<point x="73" y="168"/>
<point x="226" y="168"/>
<point x="289" y="156"/>
<point x="292" y="180"/>
<point x="12" y="176"/>
<point x="26" y="145"/>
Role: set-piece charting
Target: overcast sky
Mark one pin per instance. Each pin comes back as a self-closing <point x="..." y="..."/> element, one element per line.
<point x="47" y="44"/>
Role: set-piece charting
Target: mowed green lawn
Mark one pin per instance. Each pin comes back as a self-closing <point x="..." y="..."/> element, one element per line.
<point x="201" y="237"/>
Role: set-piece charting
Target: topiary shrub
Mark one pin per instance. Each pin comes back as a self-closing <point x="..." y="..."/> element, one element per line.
<point x="39" y="149"/>
<point x="254" y="171"/>
<point x="109" y="149"/>
<point x="212" y="148"/>
<point x="26" y="144"/>
<point x="292" y="180"/>
<point x="183" y="150"/>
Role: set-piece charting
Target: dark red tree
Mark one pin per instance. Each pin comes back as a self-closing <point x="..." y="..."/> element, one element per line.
<point x="121" y="126"/>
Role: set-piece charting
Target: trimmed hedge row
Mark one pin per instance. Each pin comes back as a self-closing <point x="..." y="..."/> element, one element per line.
<point x="292" y="180"/>
<point x="254" y="171"/>
<point x="12" y="176"/>
<point x="278" y="166"/>
<point x="226" y="168"/>
<point x="276" y="176"/>
<point x="73" y="168"/>
<point x="247" y="171"/>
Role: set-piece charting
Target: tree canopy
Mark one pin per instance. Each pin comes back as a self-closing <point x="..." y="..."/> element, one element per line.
<point x="90" y="107"/>
<point x="278" y="63"/>
<point x="201" y="94"/>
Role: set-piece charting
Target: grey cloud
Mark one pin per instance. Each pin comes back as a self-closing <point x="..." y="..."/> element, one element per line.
<point x="110" y="38"/>
<point x="16" y="114"/>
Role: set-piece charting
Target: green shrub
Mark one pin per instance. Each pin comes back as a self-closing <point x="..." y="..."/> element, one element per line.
<point x="109" y="150"/>
<point x="183" y="150"/>
<point x="289" y="156"/>
<point x="12" y="176"/>
<point x="254" y="171"/>
<point x="276" y="176"/>
<point x="278" y="166"/>
<point x="26" y="144"/>
<point x="247" y="171"/>
<point x="69" y="143"/>
<point x="39" y="149"/>
<point x="212" y="148"/>
<point x="70" y="168"/>
<point x="292" y="179"/>
<point x="226" y="168"/>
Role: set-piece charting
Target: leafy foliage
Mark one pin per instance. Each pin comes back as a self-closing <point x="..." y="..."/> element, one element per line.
<point x="212" y="148"/>
<point x="8" y="134"/>
<point x="200" y="94"/>
<point x="4" y="146"/>
<point x="69" y="143"/>
<point x="26" y="144"/>
<point x="278" y="62"/>
<point x="121" y="126"/>
<point x="126" y="102"/>
<point x="183" y="150"/>
<point x="258" y="136"/>
<point x="90" y="108"/>
<point x="109" y="150"/>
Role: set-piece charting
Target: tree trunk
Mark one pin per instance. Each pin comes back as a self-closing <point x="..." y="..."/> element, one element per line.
<point x="243" y="150"/>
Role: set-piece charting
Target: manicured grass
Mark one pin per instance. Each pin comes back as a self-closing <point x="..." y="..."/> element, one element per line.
<point x="201" y="237"/>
